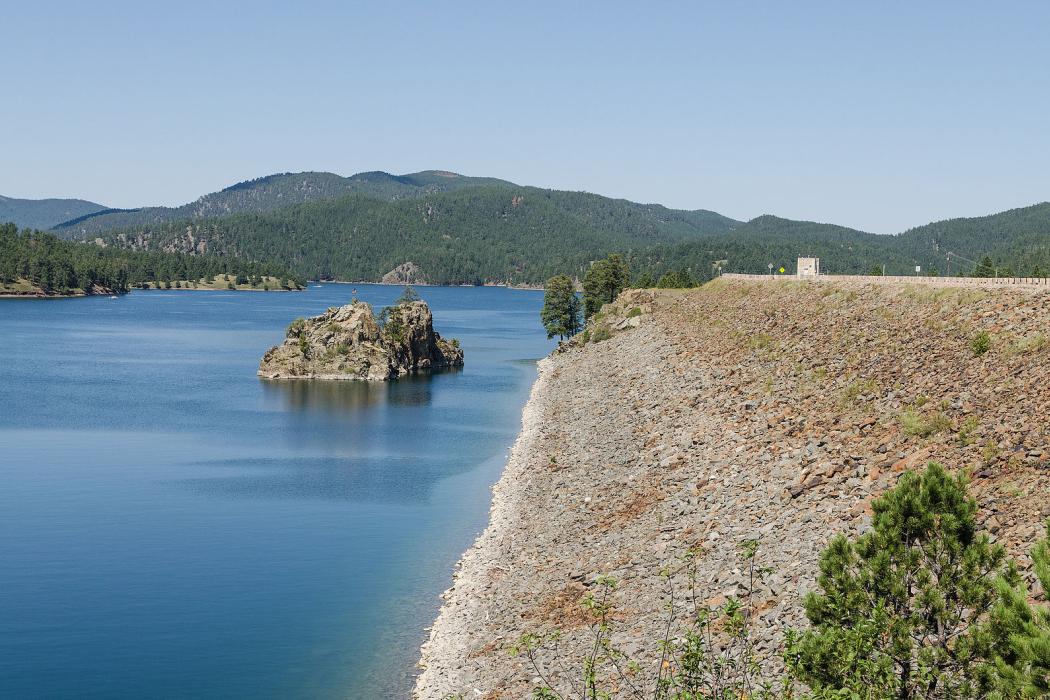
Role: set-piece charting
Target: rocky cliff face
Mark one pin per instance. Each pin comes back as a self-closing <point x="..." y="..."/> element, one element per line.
<point x="768" y="410"/>
<point x="405" y="273"/>
<point x="349" y="343"/>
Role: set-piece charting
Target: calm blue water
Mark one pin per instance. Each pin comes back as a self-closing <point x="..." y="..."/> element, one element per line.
<point x="172" y="526"/>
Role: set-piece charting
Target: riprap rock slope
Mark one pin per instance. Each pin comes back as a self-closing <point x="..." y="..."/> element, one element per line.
<point x="769" y="410"/>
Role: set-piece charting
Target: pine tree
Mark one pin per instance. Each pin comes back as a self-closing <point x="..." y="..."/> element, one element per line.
<point x="561" y="308"/>
<point x="985" y="268"/>
<point x="897" y="609"/>
<point x="603" y="282"/>
<point x="408" y="295"/>
<point x="1019" y="632"/>
<point x="670" y="280"/>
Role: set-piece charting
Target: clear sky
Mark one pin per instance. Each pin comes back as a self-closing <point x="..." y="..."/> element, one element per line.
<point x="879" y="116"/>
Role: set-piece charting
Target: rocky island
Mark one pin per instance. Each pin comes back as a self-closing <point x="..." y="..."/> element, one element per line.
<point x="349" y="342"/>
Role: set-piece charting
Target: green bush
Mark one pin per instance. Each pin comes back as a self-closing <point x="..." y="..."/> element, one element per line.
<point x="296" y="328"/>
<point x="1030" y="343"/>
<point x="392" y="323"/>
<point x="924" y="425"/>
<point x="760" y="341"/>
<point x="981" y="343"/>
<point x="332" y="351"/>
<point x="967" y="430"/>
<point x="600" y="334"/>
<point x="858" y="388"/>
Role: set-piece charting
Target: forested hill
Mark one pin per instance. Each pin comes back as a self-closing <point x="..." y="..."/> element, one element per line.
<point x="270" y="193"/>
<point x="461" y="229"/>
<point x="496" y="233"/>
<point x="751" y="247"/>
<point x="1018" y="239"/>
<point x="33" y="263"/>
<point x="44" y="213"/>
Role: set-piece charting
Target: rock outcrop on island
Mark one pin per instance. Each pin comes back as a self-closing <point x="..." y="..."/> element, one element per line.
<point x="349" y="342"/>
<point x="405" y="273"/>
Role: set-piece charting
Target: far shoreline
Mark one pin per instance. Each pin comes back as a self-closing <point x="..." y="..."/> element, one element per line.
<point x="514" y="287"/>
<point x="138" y="289"/>
<point x="521" y="287"/>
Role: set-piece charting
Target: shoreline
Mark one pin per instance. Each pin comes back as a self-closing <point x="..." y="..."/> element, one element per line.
<point x="448" y="644"/>
<point x="523" y="287"/>
<point x="30" y="295"/>
<point x="208" y="289"/>
<point x="50" y="296"/>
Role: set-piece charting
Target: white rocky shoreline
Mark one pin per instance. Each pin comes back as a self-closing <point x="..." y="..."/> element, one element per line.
<point x="445" y="654"/>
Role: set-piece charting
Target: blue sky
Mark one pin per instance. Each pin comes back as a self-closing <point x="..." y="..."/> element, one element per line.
<point x="874" y="115"/>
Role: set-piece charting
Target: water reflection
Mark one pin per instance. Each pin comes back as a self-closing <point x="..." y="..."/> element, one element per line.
<point x="356" y="418"/>
<point x="322" y="396"/>
<point x="374" y="479"/>
<point x="351" y="396"/>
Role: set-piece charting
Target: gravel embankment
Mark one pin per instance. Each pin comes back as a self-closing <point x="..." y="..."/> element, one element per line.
<point x="743" y="409"/>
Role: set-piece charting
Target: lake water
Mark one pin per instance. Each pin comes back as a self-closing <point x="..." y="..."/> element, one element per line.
<point x="172" y="526"/>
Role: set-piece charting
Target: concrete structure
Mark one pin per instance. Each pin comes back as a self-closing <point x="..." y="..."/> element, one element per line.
<point x="808" y="267"/>
<point x="1021" y="282"/>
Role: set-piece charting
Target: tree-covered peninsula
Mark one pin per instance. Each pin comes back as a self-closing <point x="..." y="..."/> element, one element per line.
<point x="33" y="263"/>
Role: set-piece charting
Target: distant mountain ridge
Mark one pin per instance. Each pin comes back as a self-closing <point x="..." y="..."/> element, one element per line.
<point x="469" y="235"/>
<point x="272" y="192"/>
<point x="44" y="213"/>
<point x="475" y="229"/>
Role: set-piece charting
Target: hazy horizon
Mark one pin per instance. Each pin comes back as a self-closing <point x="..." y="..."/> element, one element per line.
<point x="846" y="115"/>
